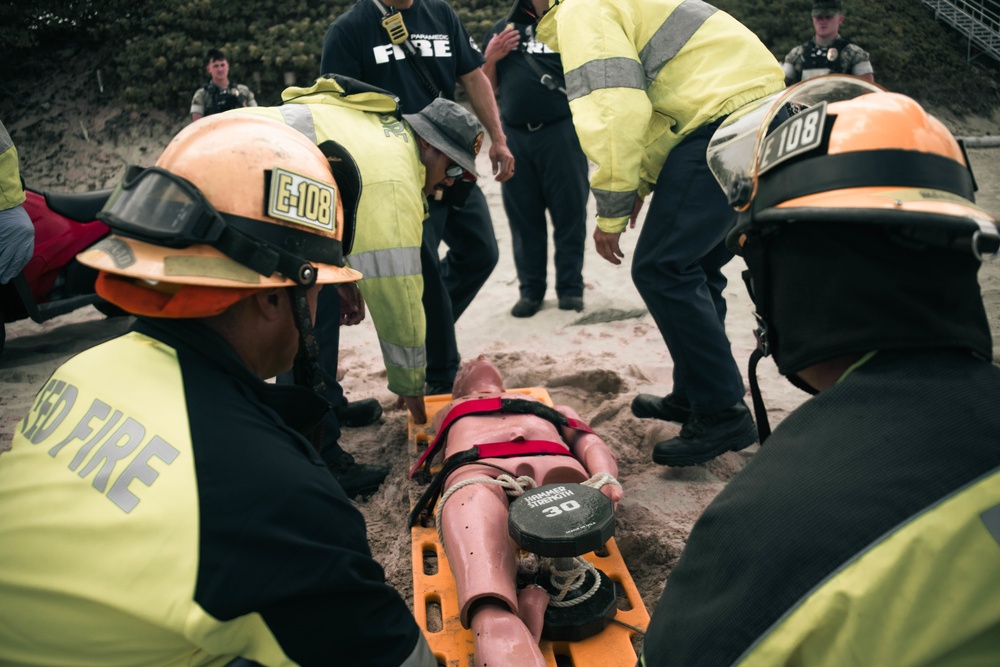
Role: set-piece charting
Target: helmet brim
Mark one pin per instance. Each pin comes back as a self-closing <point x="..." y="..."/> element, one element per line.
<point x="876" y="200"/>
<point x="929" y="216"/>
<point x="193" y="265"/>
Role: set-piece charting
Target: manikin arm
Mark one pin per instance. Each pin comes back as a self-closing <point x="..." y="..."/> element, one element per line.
<point x="593" y="453"/>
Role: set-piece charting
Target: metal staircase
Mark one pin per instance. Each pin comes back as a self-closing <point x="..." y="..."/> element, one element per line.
<point x="978" y="20"/>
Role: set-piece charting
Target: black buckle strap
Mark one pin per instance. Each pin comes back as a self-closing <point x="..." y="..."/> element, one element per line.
<point x="759" y="410"/>
<point x="421" y="510"/>
<point x="516" y="406"/>
<point x="487" y="450"/>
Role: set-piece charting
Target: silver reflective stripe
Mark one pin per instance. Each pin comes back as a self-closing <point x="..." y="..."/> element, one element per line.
<point x="863" y="67"/>
<point x="615" y="204"/>
<point x="5" y="140"/>
<point x="421" y="655"/>
<point x="606" y="73"/>
<point x="401" y="356"/>
<point x="671" y="37"/>
<point x="665" y="43"/>
<point x="815" y="72"/>
<point x="991" y="518"/>
<point x="299" y="117"/>
<point x="389" y="263"/>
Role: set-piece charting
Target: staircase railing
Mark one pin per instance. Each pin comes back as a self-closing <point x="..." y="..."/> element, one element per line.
<point x="977" y="20"/>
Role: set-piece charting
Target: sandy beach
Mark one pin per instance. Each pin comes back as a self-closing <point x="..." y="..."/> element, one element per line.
<point x="595" y="361"/>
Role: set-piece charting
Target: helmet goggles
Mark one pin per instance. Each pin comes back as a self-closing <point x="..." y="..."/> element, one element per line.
<point x="737" y="153"/>
<point x="159" y="207"/>
<point x="775" y="162"/>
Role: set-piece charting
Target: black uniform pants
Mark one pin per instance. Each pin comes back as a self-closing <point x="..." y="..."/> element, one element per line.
<point x="677" y="268"/>
<point x="451" y="282"/>
<point x="551" y="175"/>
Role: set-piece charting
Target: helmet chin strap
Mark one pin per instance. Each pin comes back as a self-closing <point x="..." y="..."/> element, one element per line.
<point x="764" y="349"/>
<point x="759" y="409"/>
<point x="306" y="370"/>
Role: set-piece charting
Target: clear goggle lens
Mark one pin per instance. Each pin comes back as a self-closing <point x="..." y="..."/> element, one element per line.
<point x="734" y="151"/>
<point x="161" y="207"/>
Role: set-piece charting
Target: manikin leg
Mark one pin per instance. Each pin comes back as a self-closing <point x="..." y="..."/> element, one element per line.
<point x="532" y="602"/>
<point x="502" y="639"/>
<point x="479" y="550"/>
<point x="482" y="559"/>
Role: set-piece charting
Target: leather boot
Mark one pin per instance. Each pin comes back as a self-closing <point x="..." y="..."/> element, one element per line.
<point x="526" y="307"/>
<point x="438" y="388"/>
<point x="571" y="303"/>
<point x="669" y="408"/>
<point x="357" y="479"/>
<point x="704" y="437"/>
<point x="355" y="414"/>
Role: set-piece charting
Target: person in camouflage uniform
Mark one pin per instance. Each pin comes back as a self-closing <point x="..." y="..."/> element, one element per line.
<point x="219" y="94"/>
<point x="827" y="52"/>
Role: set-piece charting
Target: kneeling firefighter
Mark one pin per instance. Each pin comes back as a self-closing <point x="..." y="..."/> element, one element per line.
<point x="401" y="160"/>
<point x="161" y="503"/>
<point x="874" y="505"/>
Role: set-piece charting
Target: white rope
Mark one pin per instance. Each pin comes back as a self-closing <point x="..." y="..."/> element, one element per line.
<point x="565" y="581"/>
<point x="513" y="487"/>
<point x="600" y="479"/>
<point x="528" y="564"/>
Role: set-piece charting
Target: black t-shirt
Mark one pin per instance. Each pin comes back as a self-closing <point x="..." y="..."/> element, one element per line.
<point x="358" y="46"/>
<point x="523" y="97"/>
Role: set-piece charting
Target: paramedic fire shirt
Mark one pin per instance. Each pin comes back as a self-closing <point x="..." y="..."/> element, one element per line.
<point x="357" y="46"/>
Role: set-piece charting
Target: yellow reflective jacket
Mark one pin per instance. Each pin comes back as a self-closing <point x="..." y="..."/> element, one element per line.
<point x="643" y="74"/>
<point x="390" y="215"/>
<point x="158" y="509"/>
<point x="11" y="192"/>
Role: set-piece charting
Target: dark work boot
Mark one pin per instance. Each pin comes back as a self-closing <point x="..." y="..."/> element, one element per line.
<point x="669" y="408"/>
<point x="357" y="479"/>
<point x="358" y="413"/>
<point x="704" y="437"/>
<point x="571" y="303"/>
<point x="438" y="388"/>
<point x="526" y="307"/>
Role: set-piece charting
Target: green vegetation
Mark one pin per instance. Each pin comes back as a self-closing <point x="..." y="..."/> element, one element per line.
<point x="151" y="53"/>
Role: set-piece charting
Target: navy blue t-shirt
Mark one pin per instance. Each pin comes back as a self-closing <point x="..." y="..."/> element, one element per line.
<point x="523" y="97"/>
<point x="357" y="46"/>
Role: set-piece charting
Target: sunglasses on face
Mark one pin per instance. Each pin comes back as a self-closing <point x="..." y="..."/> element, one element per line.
<point x="454" y="171"/>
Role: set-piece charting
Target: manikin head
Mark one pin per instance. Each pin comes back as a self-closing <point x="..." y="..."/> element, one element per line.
<point x="478" y="376"/>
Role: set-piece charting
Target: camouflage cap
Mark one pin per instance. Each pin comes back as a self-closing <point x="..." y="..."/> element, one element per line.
<point x="827" y="7"/>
